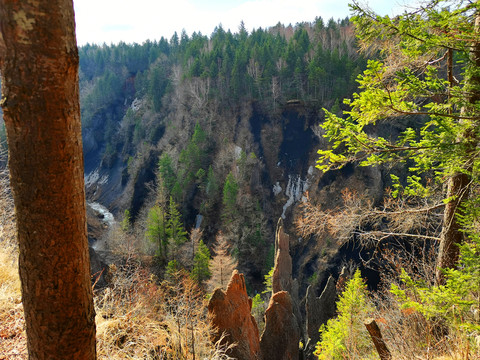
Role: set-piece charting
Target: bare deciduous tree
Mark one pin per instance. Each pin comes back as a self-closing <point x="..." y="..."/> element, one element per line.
<point x="418" y="219"/>
<point x="222" y="264"/>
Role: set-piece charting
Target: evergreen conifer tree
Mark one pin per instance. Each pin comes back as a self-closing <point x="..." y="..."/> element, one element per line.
<point x="174" y="228"/>
<point x="230" y="190"/>
<point x="157" y="231"/>
<point x="201" y="271"/>
<point x="345" y="337"/>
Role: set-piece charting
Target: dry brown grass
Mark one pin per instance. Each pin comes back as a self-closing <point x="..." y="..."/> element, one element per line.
<point x="127" y="325"/>
<point x="137" y="318"/>
<point x="409" y="335"/>
<point x="13" y="344"/>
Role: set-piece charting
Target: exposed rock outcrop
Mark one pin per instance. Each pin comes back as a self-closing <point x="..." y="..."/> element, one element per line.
<point x="231" y="314"/>
<point x="318" y="311"/>
<point x="282" y="273"/>
<point x="281" y="336"/>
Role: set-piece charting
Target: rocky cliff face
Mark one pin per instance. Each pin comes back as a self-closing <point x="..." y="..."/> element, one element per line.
<point x="285" y="143"/>
<point x="231" y="315"/>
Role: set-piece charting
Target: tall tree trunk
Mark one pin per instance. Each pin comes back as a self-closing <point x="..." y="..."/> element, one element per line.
<point x="39" y="65"/>
<point x="458" y="190"/>
<point x="459" y="184"/>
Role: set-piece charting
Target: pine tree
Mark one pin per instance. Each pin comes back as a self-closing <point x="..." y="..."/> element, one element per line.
<point x="126" y="222"/>
<point x="230" y="190"/>
<point x="157" y="231"/>
<point x="174" y="228"/>
<point x="211" y="187"/>
<point x="345" y="337"/>
<point x="166" y="172"/>
<point x="201" y="261"/>
<point x="157" y="85"/>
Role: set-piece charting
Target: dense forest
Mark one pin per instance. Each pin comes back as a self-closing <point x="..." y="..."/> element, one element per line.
<point x="313" y="63"/>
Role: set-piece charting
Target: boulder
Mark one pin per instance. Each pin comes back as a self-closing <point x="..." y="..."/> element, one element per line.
<point x="230" y="312"/>
<point x="280" y="339"/>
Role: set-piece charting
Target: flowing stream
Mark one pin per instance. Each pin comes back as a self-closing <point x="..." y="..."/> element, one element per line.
<point x="107" y="215"/>
<point x="107" y="218"/>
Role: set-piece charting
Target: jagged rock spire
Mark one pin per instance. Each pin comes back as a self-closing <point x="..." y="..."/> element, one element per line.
<point x="230" y="311"/>
<point x="281" y="336"/>
<point x="282" y="273"/>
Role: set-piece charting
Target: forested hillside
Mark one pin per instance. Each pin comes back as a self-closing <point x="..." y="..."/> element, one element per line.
<point x="225" y="126"/>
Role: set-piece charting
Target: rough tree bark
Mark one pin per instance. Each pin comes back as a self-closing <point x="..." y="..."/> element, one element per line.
<point x="452" y="235"/>
<point x="39" y="65"/>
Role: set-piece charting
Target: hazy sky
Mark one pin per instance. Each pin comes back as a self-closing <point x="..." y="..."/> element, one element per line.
<point x="108" y="21"/>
